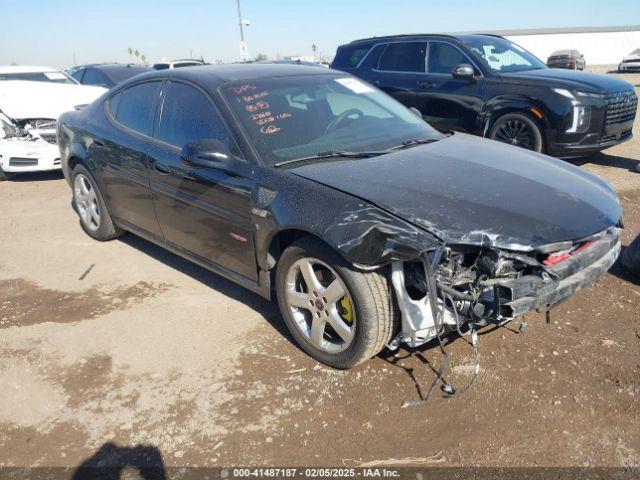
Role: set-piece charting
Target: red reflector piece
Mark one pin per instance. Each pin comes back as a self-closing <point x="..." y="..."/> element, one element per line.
<point x="557" y="257"/>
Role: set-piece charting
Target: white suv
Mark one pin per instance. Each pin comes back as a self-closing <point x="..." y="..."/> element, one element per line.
<point x="177" y="64"/>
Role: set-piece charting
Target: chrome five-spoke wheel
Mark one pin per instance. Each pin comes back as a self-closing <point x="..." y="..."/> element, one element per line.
<point x="320" y="305"/>
<point x="86" y="202"/>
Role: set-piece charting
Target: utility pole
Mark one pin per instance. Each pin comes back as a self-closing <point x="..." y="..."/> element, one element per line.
<point x="244" y="49"/>
<point x="240" y="22"/>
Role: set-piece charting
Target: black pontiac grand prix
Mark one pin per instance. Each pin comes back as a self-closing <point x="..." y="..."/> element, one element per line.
<point x="309" y="186"/>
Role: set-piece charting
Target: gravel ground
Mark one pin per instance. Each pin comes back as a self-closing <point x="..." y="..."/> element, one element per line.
<point x="118" y="349"/>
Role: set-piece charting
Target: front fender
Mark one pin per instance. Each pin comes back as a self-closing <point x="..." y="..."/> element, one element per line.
<point x="503" y="104"/>
<point x="363" y="234"/>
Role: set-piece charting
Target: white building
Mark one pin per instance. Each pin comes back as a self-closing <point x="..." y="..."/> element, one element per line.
<point x="599" y="45"/>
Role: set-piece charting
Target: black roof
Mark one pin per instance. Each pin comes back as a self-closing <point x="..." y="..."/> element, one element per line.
<point x="119" y="66"/>
<point x="107" y="65"/>
<point x="214" y="75"/>
<point x="419" y="36"/>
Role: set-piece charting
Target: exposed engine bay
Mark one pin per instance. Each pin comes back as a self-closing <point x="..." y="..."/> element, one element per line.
<point x="462" y="288"/>
<point x="28" y="144"/>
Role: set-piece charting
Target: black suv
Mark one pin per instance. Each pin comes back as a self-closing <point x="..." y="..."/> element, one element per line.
<point x="489" y="86"/>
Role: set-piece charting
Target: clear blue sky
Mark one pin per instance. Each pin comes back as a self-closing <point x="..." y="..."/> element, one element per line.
<point x="49" y="32"/>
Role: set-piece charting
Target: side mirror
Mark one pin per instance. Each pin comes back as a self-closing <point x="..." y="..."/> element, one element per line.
<point x="464" y="70"/>
<point x="206" y="154"/>
<point x="416" y="112"/>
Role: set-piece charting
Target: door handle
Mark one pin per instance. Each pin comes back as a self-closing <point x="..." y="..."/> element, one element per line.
<point x="98" y="143"/>
<point x="427" y="85"/>
<point x="161" y="168"/>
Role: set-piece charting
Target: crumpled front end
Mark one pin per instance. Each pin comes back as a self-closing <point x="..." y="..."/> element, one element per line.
<point x="474" y="286"/>
<point x="28" y="145"/>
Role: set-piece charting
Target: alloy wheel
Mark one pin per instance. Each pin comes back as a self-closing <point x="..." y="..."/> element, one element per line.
<point x="86" y="201"/>
<point x="516" y="132"/>
<point x="320" y="305"/>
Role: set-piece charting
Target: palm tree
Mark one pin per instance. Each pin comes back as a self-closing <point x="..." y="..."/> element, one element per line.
<point x="144" y="59"/>
<point x="130" y="50"/>
<point x="136" y="53"/>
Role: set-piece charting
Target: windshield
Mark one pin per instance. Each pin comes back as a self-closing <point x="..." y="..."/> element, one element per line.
<point x="502" y="56"/>
<point x="297" y="117"/>
<point x="52" y="77"/>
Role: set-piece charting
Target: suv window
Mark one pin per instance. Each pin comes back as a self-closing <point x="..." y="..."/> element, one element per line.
<point x="93" y="76"/>
<point x="187" y="116"/>
<point x="77" y="75"/>
<point x="404" y="57"/>
<point x="444" y="57"/>
<point x="350" y="56"/>
<point x="135" y="104"/>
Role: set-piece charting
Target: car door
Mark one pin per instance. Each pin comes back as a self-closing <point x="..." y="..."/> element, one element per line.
<point x="121" y="154"/>
<point x="203" y="212"/>
<point x="400" y="71"/>
<point x="450" y="102"/>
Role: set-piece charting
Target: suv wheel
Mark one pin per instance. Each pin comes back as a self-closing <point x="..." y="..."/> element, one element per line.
<point x="518" y="129"/>
<point x="338" y="315"/>
<point x="95" y="219"/>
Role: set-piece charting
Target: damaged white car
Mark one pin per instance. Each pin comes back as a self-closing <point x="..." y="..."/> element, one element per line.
<point x="28" y="113"/>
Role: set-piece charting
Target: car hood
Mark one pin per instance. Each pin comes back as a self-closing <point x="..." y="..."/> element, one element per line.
<point x="21" y="100"/>
<point x="571" y="79"/>
<point x="631" y="58"/>
<point x="469" y="190"/>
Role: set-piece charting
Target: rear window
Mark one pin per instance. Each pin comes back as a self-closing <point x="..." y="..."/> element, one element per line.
<point x="349" y="56"/>
<point x="133" y="107"/>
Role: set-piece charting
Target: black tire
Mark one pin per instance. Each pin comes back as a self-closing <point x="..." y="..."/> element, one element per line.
<point x="104" y="230"/>
<point x="376" y="318"/>
<point x="4" y="176"/>
<point x="506" y="129"/>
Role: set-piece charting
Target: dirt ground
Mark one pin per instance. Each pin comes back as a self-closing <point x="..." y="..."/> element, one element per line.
<point x="121" y="348"/>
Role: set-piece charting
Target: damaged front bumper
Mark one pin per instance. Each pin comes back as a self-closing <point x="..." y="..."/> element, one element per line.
<point x="28" y="155"/>
<point x="482" y="298"/>
<point x="521" y="295"/>
<point x="28" y="145"/>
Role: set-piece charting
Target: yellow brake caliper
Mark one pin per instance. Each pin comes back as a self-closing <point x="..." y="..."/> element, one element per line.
<point x="347" y="310"/>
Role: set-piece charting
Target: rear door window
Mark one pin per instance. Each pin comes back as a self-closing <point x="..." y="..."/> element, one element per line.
<point x="188" y="116"/>
<point x="135" y="106"/>
<point x="404" y="57"/>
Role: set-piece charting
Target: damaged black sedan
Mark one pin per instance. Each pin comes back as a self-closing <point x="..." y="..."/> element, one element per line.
<point x="311" y="187"/>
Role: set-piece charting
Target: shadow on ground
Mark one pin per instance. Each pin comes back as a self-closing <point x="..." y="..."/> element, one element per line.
<point x="268" y="310"/>
<point x="622" y="272"/>
<point x="111" y="461"/>
<point x="37" y="176"/>
<point x="615" y="161"/>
